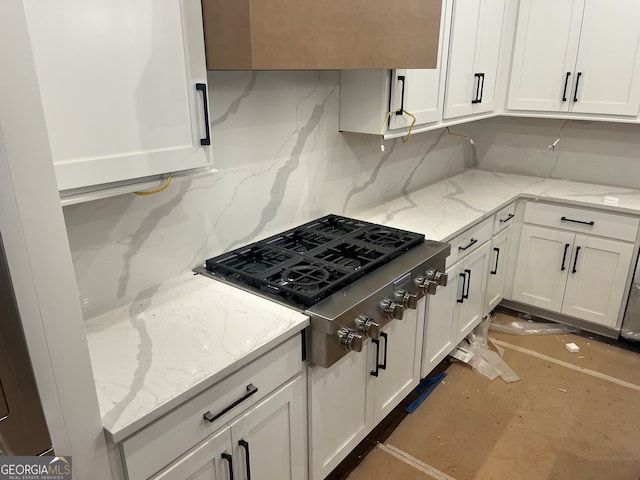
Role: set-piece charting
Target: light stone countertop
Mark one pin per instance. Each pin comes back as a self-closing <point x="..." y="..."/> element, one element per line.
<point x="443" y="210"/>
<point x="174" y="341"/>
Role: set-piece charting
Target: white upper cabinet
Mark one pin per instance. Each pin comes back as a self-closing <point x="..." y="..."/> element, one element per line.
<point x="607" y="70"/>
<point x="368" y="96"/>
<point x="474" y="54"/>
<point x="123" y="87"/>
<point x="578" y="56"/>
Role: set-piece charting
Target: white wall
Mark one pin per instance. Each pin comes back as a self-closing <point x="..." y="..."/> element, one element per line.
<point x="281" y="162"/>
<point x="594" y="152"/>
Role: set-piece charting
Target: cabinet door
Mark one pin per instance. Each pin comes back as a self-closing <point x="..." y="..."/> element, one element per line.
<point x="270" y="439"/>
<point x="544" y="53"/>
<point x="542" y="267"/>
<point x="498" y="265"/>
<point x="441" y="321"/>
<point x="400" y="352"/>
<point x="416" y="91"/>
<point x="461" y="82"/>
<point x="339" y="414"/>
<point x="474" y="287"/>
<point x="118" y="85"/>
<point x="598" y="273"/>
<point x="609" y="59"/>
<point x="489" y="42"/>
<point x="204" y="462"/>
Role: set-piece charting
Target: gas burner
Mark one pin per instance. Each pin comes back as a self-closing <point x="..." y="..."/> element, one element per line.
<point x="350" y="255"/>
<point x="299" y="241"/>
<point x="255" y="267"/>
<point x="337" y="226"/>
<point x="383" y="237"/>
<point x="305" y="276"/>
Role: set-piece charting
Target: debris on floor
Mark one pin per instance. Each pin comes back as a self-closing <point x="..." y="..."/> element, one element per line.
<point x="528" y="327"/>
<point x="572" y="347"/>
<point x="474" y="350"/>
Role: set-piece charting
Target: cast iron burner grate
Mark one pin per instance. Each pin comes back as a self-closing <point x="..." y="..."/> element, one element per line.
<point x="308" y="263"/>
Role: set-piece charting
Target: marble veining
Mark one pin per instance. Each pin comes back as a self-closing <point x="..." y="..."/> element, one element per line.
<point x="281" y="161"/>
<point x="175" y="340"/>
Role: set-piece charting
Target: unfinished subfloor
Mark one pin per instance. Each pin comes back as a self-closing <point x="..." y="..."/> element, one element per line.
<point x="571" y="416"/>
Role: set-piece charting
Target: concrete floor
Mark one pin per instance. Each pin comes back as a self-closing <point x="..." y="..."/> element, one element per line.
<point x="571" y="416"/>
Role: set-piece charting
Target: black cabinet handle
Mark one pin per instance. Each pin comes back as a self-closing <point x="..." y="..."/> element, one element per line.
<point x="476" y="98"/>
<point x="251" y="390"/>
<point x="464" y="281"/>
<point x="495" y="269"/>
<point x="471" y="243"/>
<point x="509" y="217"/>
<point x="247" y="459"/>
<point x="384" y="335"/>
<point x="564" y="256"/>
<point x="377" y="344"/>
<point x="201" y="87"/>
<point x="575" y="261"/>
<point x="481" y="88"/>
<point x="401" y="78"/>
<point x="565" y="219"/>
<point x="466" y="295"/>
<point x="229" y="459"/>
<point x="575" y="93"/>
<point x="566" y="83"/>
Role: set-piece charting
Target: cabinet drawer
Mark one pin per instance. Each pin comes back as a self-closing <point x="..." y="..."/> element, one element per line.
<point x="467" y="242"/>
<point x="157" y="445"/>
<point x="593" y="222"/>
<point x="504" y="218"/>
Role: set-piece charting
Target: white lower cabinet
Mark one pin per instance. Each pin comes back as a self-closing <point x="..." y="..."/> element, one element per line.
<point x="472" y="281"/>
<point x="400" y="354"/>
<point x="577" y="275"/>
<point x="255" y="418"/>
<point x="205" y="462"/>
<point x="349" y="398"/>
<point x="265" y="443"/>
<point x="498" y="267"/>
<point x="456" y="309"/>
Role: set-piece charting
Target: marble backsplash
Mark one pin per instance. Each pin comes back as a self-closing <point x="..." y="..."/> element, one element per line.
<point x="593" y="152"/>
<point x="281" y="162"/>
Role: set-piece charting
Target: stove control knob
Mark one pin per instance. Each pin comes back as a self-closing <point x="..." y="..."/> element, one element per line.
<point x="406" y="299"/>
<point x="437" y="276"/>
<point x="392" y="309"/>
<point x="368" y="326"/>
<point x="428" y="287"/>
<point x="350" y="340"/>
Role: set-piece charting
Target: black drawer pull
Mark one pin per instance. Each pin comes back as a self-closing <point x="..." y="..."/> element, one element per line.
<point x="464" y="281"/>
<point x="575" y="261"/>
<point x="509" y="217"/>
<point x="466" y="295"/>
<point x="471" y="243"/>
<point x="495" y="269"/>
<point x="565" y="219"/>
<point x="376" y="342"/>
<point x="244" y="444"/>
<point x="566" y="82"/>
<point x="229" y="459"/>
<point x="201" y="87"/>
<point x="384" y="335"/>
<point x="251" y="390"/>
<point x="564" y="257"/>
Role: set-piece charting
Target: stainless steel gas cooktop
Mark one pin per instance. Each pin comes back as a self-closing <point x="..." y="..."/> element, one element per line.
<point x="351" y="277"/>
